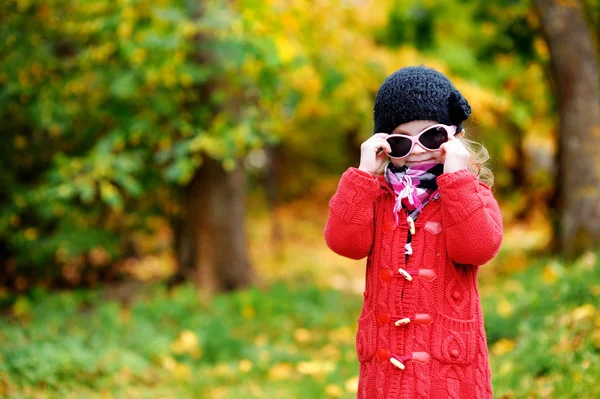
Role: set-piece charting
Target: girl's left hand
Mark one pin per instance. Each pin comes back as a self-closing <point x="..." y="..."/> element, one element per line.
<point x="456" y="156"/>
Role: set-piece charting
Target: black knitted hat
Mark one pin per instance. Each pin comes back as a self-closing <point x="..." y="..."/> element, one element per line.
<point x="418" y="93"/>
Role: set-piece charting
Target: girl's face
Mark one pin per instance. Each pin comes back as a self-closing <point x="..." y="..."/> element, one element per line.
<point x="418" y="154"/>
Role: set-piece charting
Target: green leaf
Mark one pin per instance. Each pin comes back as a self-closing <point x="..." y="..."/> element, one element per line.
<point x="110" y="195"/>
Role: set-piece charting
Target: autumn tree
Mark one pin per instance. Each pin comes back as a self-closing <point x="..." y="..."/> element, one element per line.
<point x="575" y="76"/>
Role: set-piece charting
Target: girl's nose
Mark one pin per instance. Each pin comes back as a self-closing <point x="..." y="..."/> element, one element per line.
<point x="418" y="149"/>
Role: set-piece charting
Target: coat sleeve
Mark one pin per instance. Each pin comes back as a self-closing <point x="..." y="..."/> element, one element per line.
<point x="471" y="218"/>
<point x="350" y="225"/>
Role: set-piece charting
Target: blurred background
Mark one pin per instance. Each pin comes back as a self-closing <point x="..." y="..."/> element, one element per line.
<point x="166" y="168"/>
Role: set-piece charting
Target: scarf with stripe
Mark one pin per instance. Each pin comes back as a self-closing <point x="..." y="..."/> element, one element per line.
<point x="413" y="185"/>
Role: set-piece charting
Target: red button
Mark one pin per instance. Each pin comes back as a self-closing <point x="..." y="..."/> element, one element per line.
<point x="427" y="275"/>
<point x="383" y="355"/>
<point x="423" y="318"/>
<point x="383" y="318"/>
<point x="421" y="357"/>
<point x="389" y="227"/>
<point x="433" y="227"/>
<point x="386" y="275"/>
<point x="454" y="353"/>
<point x="456" y="294"/>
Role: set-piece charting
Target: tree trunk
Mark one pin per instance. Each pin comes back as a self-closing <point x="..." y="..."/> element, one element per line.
<point x="574" y="63"/>
<point x="211" y="238"/>
<point x="272" y="188"/>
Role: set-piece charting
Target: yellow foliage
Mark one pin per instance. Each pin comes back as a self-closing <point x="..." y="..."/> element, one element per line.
<point x="302" y="336"/>
<point x="248" y="312"/>
<point x="342" y="334"/>
<point x="351" y="384"/>
<point x="504" y="308"/>
<point x="315" y="367"/>
<point x="245" y="365"/>
<point x="31" y="234"/>
<point x="503" y="346"/>
<point x="187" y="343"/>
<point x="280" y="371"/>
<point x="585" y="312"/>
<point x="286" y="49"/>
<point x="506" y="367"/>
<point x="334" y="391"/>
<point x="596" y="338"/>
<point x="549" y="275"/>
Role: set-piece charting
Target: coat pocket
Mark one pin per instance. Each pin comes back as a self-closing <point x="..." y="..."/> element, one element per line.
<point x="454" y="340"/>
<point x="366" y="337"/>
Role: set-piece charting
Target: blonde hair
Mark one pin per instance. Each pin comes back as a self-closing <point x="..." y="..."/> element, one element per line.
<point x="479" y="155"/>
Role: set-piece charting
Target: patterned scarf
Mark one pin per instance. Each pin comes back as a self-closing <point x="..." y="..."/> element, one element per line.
<point x="413" y="185"/>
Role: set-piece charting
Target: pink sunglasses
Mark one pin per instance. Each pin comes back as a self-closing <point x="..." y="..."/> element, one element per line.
<point x="430" y="138"/>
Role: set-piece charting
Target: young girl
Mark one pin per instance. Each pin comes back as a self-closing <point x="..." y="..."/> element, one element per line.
<point x="427" y="222"/>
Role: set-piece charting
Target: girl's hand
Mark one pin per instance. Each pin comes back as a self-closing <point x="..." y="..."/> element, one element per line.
<point x="370" y="160"/>
<point x="456" y="155"/>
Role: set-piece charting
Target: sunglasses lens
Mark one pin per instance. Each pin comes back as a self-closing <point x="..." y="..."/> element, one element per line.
<point x="434" y="138"/>
<point x="400" y="146"/>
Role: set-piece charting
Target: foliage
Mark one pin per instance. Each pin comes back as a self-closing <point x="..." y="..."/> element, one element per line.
<point x="108" y="108"/>
<point x="543" y="328"/>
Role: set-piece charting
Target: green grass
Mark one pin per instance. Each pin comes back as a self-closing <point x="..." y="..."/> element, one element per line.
<point x="291" y="340"/>
<point x="279" y="343"/>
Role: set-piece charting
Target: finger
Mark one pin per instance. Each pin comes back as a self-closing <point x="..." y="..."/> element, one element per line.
<point x="443" y="148"/>
<point x="383" y="144"/>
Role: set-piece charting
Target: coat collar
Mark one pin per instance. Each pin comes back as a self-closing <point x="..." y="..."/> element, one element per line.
<point x="385" y="185"/>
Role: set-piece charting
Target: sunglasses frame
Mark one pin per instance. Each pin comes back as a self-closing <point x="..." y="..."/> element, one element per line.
<point x="450" y="130"/>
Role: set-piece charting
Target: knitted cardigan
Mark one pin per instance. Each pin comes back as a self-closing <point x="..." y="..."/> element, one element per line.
<point x="427" y="317"/>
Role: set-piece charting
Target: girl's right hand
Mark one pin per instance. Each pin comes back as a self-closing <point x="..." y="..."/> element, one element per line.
<point x="370" y="161"/>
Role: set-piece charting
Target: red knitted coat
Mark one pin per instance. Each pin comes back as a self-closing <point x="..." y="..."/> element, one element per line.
<point x="425" y="318"/>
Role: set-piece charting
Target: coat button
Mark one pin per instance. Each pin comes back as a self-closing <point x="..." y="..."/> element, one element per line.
<point x="454" y="353"/>
<point x="389" y="227"/>
<point x="383" y="318"/>
<point x="427" y="274"/>
<point x="386" y="275"/>
<point x="383" y="354"/>
<point x="433" y="227"/>
<point x="456" y="294"/>
<point x="423" y="318"/>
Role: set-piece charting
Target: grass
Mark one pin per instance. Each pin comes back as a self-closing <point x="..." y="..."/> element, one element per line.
<point x="290" y="340"/>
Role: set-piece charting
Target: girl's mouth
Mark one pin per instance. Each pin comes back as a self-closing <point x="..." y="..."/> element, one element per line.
<point x="420" y="162"/>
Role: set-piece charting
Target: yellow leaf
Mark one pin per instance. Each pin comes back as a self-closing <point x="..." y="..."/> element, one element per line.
<point x="343" y="334"/>
<point x="21" y="308"/>
<point x="245" y="365"/>
<point x="503" y="346"/>
<point x="286" y="49"/>
<point x="179" y="371"/>
<point x="504" y="308"/>
<point x="549" y="275"/>
<point x="351" y="384"/>
<point x="334" y="391"/>
<point x="187" y="342"/>
<point x="182" y="372"/>
<point x="315" y="367"/>
<point x="280" y="371"/>
<point x="585" y="312"/>
<point x="302" y="336"/>
<point x="31" y="234"/>
<point x="248" y="312"/>
<point x="596" y="338"/>
<point x="506" y="367"/>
